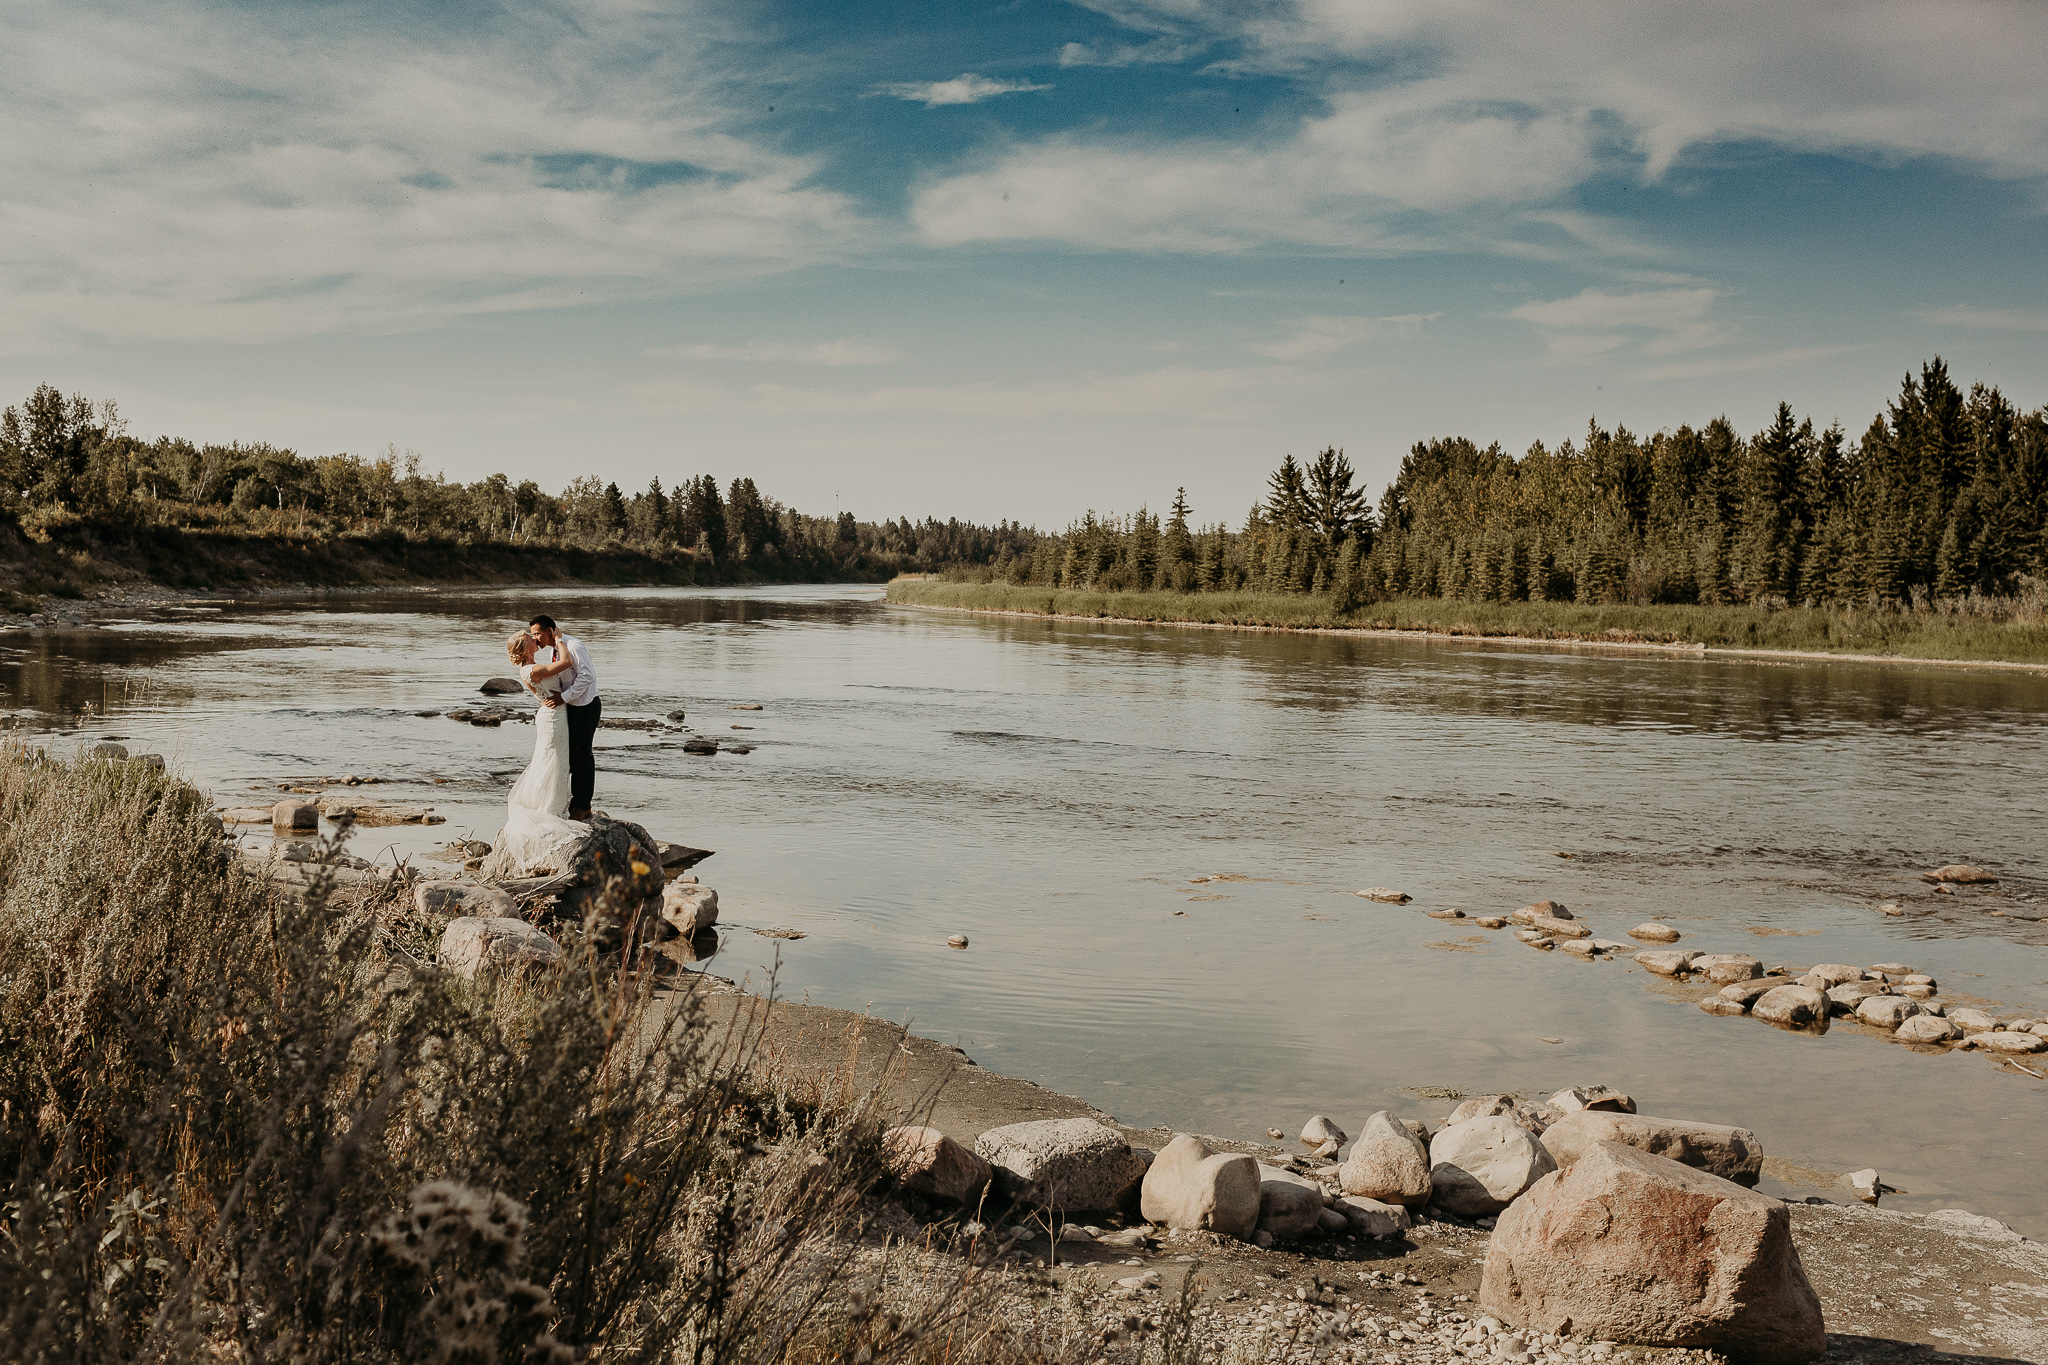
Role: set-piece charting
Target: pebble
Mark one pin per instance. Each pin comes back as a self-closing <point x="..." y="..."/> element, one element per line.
<point x="957" y="941"/>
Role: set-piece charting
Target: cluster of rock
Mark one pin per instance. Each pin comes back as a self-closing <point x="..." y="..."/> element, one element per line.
<point x="1889" y="996"/>
<point x="618" y="863"/>
<point x="1610" y="1223"/>
<point x="293" y="815"/>
<point x="1550" y="925"/>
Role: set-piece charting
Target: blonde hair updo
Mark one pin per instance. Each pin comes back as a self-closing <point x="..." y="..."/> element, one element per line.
<point x="517" y="647"/>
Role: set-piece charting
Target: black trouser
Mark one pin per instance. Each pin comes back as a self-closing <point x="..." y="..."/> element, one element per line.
<point x="582" y="763"/>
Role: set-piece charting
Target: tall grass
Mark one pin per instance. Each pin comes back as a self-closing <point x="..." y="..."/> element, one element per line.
<point x="232" y="1127"/>
<point x="2014" y="631"/>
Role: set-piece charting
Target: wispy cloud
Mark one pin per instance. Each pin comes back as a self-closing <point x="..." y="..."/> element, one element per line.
<point x="1595" y="322"/>
<point x="1987" y="319"/>
<point x="1316" y="337"/>
<point x="1773" y="360"/>
<point x="842" y="351"/>
<point x="1157" y="51"/>
<point x="963" y="89"/>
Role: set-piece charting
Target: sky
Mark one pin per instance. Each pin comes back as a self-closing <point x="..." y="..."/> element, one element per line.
<point x="1010" y="260"/>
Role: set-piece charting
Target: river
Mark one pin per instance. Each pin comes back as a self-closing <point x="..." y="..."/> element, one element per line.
<point x="1053" y="790"/>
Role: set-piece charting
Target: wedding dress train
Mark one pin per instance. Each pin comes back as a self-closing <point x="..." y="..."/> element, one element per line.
<point x="538" y="836"/>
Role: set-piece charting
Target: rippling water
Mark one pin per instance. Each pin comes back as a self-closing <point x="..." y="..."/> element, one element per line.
<point x="1051" y="789"/>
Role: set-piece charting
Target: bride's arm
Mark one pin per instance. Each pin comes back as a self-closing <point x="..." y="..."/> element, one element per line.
<point x="542" y="672"/>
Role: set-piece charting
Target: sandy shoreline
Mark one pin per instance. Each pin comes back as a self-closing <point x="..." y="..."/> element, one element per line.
<point x="1524" y="641"/>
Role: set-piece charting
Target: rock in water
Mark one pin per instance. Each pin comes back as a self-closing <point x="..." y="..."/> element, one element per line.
<point x="1972" y="1021"/>
<point x="1726" y="967"/>
<point x="1189" y="1185"/>
<point x="1734" y="1154"/>
<point x="1559" y="928"/>
<point x="1927" y="1028"/>
<point x="1794" y="1005"/>
<point x="1961" y="873"/>
<point x="1747" y="993"/>
<point x="1481" y="1166"/>
<point x="1835" y="973"/>
<point x="1668" y="963"/>
<point x="1070" y="1164"/>
<point x="1634" y="1248"/>
<point x="1592" y="1097"/>
<point x="617" y="862"/>
<point x="494" y="687"/>
<point x="929" y="1163"/>
<point x="1385" y="893"/>
<point x="295" y="815"/>
<point x="1886" y="1011"/>
<point x="1865" y="1183"/>
<point x="1654" y="933"/>
<point x="1322" y="1129"/>
<point x="1387" y="1163"/>
<point x="471" y="945"/>
<point x="1541" y="910"/>
<point x="111" y="752"/>
<point x="689" y="907"/>
<point x="1720" y="1004"/>
<point x="1290" y="1206"/>
<point x="2022" y="1044"/>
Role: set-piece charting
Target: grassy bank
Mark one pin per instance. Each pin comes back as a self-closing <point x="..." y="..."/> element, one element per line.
<point x="2014" y="637"/>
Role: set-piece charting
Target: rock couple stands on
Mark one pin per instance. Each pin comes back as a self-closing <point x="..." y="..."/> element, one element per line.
<point x="1611" y="1223"/>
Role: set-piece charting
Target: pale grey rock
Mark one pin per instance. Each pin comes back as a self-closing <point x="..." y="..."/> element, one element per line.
<point x="1865" y="1183"/>
<point x="1290" y="1206"/>
<point x="929" y="1163"/>
<point x="1726" y="967"/>
<point x="1654" y="932"/>
<point x="1613" y="945"/>
<point x="1886" y="1011"/>
<point x="1579" y="947"/>
<point x="1070" y="1164"/>
<point x="1914" y="990"/>
<point x="1835" y="973"/>
<point x="295" y="815"/>
<point x="689" y="907"/>
<point x="1670" y="962"/>
<point x="155" y="761"/>
<point x="473" y="946"/>
<point x="1917" y="979"/>
<point x="1718" y="1004"/>
<point x="112" y="753"/>
<point x="1372" y="1217"/>
<point x="1322" y="1129"/>
<point x="1962" y="874"/>
<point x="1599" y="1097"/>
<point x="1191" y="1185"/>
<point x="1795" y="1005"/>
<point x="2012" y="1044"/>
<point x="1481" y="1107"/>
<point x="1845" y="998"/>
<point x="1627" y="1246"/>
<point x="1891" y="969"/>
<point x="1559" y="928"/>
<point x="1971" y="1021"/>
<point x="1747" y="993"/>
<point x="1927" y="1028"/>
<point x="1388" y="1163"/>
<point x="463" y="899"/>
<point x="1542" y="910"/>
<point x="1733" y="1154"/>
<point x="1481" y="1165"/>
<point x="1535" y="938"/>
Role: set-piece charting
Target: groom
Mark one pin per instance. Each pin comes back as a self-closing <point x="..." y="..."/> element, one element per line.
<point x="579" y="694"/>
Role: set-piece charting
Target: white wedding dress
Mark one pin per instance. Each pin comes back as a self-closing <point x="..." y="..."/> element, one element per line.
<point x="538" y="836"/>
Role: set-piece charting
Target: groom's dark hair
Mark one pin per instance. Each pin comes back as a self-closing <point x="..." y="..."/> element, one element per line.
<point x="544" y="622"/>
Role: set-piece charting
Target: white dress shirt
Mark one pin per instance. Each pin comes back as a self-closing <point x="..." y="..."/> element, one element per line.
<point x="579" y="684"/>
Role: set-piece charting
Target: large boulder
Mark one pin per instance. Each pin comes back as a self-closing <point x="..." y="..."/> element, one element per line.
<point x="498" y="687"/>
<point x="1290" y="1206"/>
<point x="470" y="946"/>
<point x="1073" y="1165"/>
<point x="1388" y="1163"/>
<point x="1747" y="993"/>
<point x="614" y="869"/>
<point x="1835" y="973"/>
<point x="1726" y="967"/>
<point x="1480" y="1166"/>
<point x="1793" y="1005"/>
<point x="1635" y="1248"/>
<point x="293" y="814"/>
<point x="929" y="1163"/>
<point x="1734" y="1154"/>
<point x="1191" y="1185"/>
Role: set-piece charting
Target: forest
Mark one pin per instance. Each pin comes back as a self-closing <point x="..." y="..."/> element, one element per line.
<point x="70" y="462"/>
<point x="1943" y="497"/>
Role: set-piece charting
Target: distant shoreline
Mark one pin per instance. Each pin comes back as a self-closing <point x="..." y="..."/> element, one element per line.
<point x="1434" y="631"/>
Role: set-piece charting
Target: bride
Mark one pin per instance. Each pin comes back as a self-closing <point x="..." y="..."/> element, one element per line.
<point x="538" y="837"/>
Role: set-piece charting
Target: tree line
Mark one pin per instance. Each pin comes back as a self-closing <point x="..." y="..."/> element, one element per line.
<point x="69" y="459"/>
<point x="1945" y="496"/>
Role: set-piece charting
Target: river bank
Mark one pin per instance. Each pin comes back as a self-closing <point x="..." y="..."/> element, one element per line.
<point x="1791" y="633"/>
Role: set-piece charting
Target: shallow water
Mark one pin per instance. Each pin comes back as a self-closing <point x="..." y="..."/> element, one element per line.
<point x="1051" y="790"/>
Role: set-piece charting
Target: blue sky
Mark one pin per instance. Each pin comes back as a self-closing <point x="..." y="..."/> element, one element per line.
<point x="1010" y="260"/>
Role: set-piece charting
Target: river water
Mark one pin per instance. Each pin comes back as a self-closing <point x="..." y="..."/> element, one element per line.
<point x="1054" y="789"/>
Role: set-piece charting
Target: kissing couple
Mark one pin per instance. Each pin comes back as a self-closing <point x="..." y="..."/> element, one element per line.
<point x="548" y="812"/>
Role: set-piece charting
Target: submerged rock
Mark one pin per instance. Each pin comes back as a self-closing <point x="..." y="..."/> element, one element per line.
<point x="1962" y="874"/>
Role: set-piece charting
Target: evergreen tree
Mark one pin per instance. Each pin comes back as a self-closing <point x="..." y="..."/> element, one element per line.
<point x="1287" y="495"/>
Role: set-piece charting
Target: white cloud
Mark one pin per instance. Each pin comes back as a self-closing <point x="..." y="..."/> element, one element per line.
<point x="1987" y="319"/>
<point x="1157" y="51"/>
<point x="842" y="351"/>
<point x="1595" y="322"/>
<point x="1316" y="337"/>
<point x="1462" y="122"/>
<point x="248" y="173"/>
<point x="963" y="89"/>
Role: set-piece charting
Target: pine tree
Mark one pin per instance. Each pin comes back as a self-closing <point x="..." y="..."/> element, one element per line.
<point x="1287" y="495"/>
